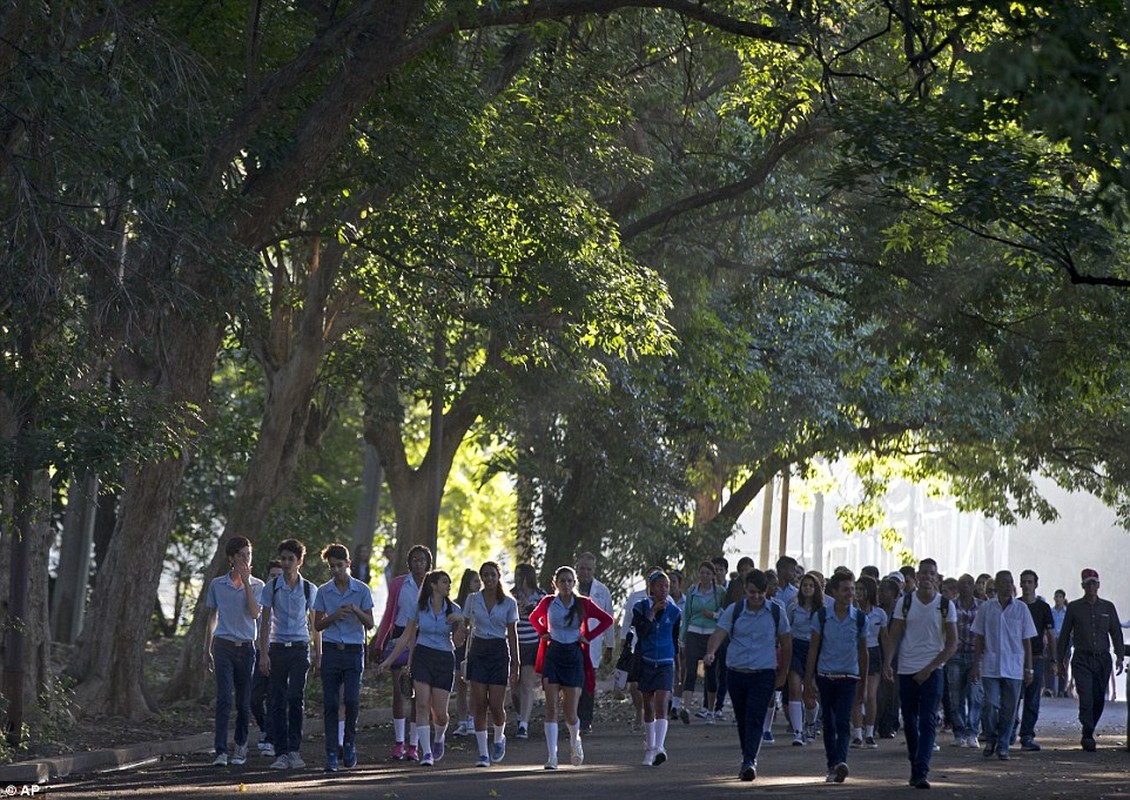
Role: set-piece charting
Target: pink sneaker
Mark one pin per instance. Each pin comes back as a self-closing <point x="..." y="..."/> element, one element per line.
<point x="399" y="752"/>
<point x="412" y="753"/>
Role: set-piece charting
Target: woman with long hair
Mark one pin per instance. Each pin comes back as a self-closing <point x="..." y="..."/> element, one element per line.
<point x="802" y="617"/>
<point x="492" y="658"/>
<point x="468" y="585"/>
<point x="527" y="594"/>
<point x="704" y="600"/>
<point x="432" y="633"/>
<point x="866" y="701"/>
<point x="562" y="620"/>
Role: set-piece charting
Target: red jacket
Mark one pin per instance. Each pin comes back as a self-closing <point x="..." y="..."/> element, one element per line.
<point x="539" y="621"/>
<point x="388" y="618"/>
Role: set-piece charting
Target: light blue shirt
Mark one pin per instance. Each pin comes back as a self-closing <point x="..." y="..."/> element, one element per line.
<point x="839" y="643"/>
<point x="787" y="594"/>
<point x="433" y="630"/>
<point x="230" y="602"/>
<point x="492" y="623"/>
<point x="876" y="621"/>
<point x="801" y="622"/>
<point x="289" y="620"/>
<point x="753" y="636"/>
<point x="559" y="630"/>
<point x="348" y="630"/>
<point x="406" y="601"/>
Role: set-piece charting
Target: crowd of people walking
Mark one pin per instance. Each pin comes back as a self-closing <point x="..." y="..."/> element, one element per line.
<point x="851" y="659"/>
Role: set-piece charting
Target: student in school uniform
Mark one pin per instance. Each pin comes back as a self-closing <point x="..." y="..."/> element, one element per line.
<point x="492" y="658"/>
<point x="285" y="640"/>
<point x="562" y="620"/>
<point x="656" y="622"/>
<point x="432" y="635"/>
<point x="229" y="646"/>
<point x="343" y="611"/>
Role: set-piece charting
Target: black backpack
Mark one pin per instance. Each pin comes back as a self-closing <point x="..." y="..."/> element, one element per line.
<point x="307" y="589"/>
<point x="944" y="606"/>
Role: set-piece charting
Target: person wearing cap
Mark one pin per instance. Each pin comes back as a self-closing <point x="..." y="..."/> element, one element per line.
<point x="1091" y="625"/>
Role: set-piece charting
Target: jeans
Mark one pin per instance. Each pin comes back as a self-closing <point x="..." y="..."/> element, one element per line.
<point x="919" y="702"/>
<point x="289" y="666"/>
<point x="1001" y="696"/>
<point x="751" y="693"/>
<point x="1032" y="694"/>
<point x="1092" y="676"/>
<point x="341" y="668"/>
<point x="234" y="665"/>
<point x="837" y="695"/>
<point x="965" y="697"/>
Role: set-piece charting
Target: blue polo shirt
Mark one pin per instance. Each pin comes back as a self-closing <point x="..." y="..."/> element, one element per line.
<point x="753" y="636"/>
<point x="330" y="599"/>
<point x="490" y="623"/>
<point x="289" y="607"/>
<point x="230" y="602"/>
<point x="802" y="621"/>
<point x="433" y="630"/>
<point x="839" y="643"/>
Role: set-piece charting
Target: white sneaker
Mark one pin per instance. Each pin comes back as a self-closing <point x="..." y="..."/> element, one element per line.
<point x="798" y="739"/>
<point x="702" y="713"/>
<point x="461" y="728"/>
<point x="239" y="756"/>
<point x="577" y="756"/>
<point x="282" y="762"/>
<point x="267" y="749"/>
<point x="221" y="760"/>
<point x="551" y="763"/>
<point x="296" y="761"/>
<point x="648" y="756"/>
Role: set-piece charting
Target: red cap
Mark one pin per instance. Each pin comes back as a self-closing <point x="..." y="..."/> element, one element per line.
<point x="1089" y="575"/>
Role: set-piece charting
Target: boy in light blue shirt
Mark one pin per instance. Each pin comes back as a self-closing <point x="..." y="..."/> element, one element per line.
<point x="837" y="662"/>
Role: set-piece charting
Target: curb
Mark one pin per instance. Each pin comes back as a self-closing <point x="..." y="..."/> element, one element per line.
<point x="43" y="770"/>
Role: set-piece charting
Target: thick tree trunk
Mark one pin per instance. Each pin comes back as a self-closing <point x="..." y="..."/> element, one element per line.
<point x="570" y="521"/>
<point x="110" y="657"/>
<point x="108" y="663"/>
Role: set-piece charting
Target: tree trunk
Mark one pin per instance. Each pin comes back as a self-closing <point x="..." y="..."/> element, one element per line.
<point x="569" y="521"/>
<point x="69" y="601"/>
<point x="109" y="661"/>
<point x="365" y="518"/>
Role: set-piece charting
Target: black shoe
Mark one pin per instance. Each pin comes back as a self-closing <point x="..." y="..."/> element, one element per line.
<point x="922" y="783"/>
<point x="1088" y="743"/>
<point x="990" y="748"/>
<point x="748" y="771"/>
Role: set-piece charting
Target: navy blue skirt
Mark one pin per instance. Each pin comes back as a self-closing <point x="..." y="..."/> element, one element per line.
<point x="656" y="677"/>
<point x="564" y="664"/>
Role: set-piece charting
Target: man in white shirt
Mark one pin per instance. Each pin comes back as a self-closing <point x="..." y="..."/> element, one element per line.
<point x="926" y="625"/>
<point x="1002" y="661"/>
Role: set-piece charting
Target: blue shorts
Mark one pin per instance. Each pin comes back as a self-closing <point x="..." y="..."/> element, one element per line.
<point x="435" y="668"/>
<point x="564" y="665"/>
<point x="488" y="662"/>
<point x="656" y="677"/>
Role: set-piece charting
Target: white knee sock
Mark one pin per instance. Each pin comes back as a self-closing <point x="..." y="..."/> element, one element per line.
<point x="796" y="715"/>
<point x="649" y="735"/>
<point x="551" y="740"/>
<point x="424" y="731"/>
<point x="398" y="729"/>
<point x="661" y="733"/>
<point x="481" y="738"/>
<point x="500" y="732"/>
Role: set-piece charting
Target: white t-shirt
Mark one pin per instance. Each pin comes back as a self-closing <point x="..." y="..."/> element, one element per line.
<point x="925" y="635"/>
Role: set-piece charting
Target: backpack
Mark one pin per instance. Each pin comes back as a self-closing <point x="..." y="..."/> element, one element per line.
<point x="943" y="607"/>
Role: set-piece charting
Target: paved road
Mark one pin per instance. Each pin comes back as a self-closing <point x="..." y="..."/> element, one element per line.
<point x="703" y="759"/>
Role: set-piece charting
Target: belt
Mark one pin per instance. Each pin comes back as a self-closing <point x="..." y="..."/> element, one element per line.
<point x="236" y="642"/>
<point x="290" y="644"/>
<point x="349" y="648"/>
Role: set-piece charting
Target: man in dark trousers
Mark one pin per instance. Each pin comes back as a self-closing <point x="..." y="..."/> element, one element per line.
<point x="1091" y="626"/>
